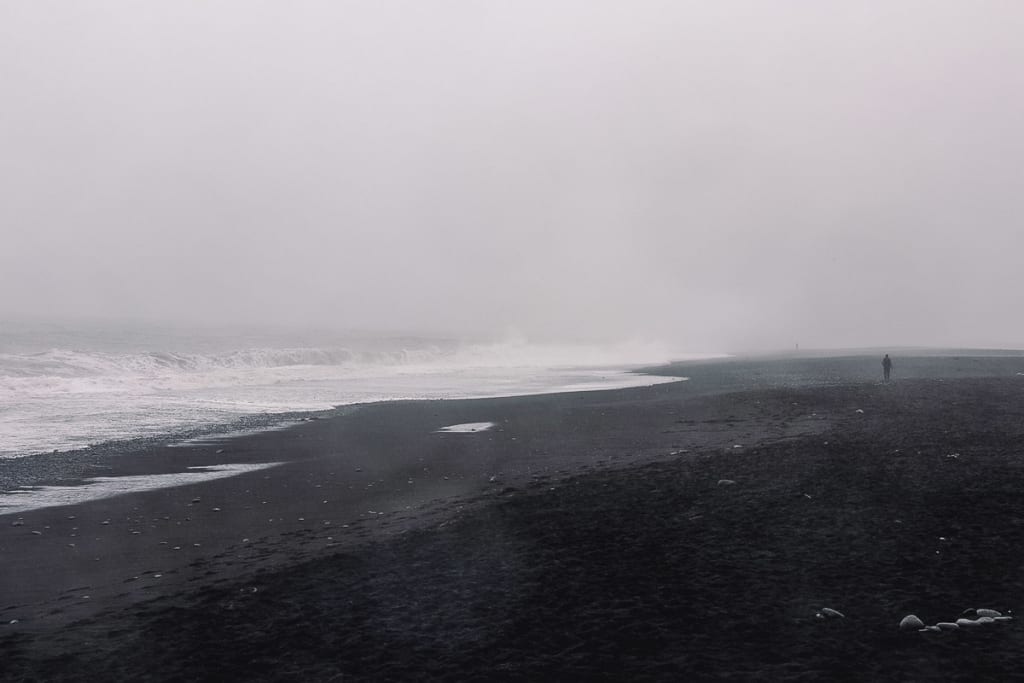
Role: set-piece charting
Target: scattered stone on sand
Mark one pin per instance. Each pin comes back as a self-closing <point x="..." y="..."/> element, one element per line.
<point x="739" y="445"/>
<point x="832" y="613"/>
<point x="18" y="522"/>
<point x="859" y="411"/>
<point x="37" y="533"/>
<point x="726" y="482"/>
<point x="911" y="622"/>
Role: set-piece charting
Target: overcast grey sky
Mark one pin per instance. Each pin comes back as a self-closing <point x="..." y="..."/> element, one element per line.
<point x="719" y="174"/>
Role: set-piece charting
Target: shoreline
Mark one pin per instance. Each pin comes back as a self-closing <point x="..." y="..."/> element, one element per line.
<point x="731" y="373"/>
<point x="60" y="467"/>
<point x="380" y="479"/>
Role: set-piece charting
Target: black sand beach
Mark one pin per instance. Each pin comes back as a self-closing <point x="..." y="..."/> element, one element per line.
<point x="684" y="531"/>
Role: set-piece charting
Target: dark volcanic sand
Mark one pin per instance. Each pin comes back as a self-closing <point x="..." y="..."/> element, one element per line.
<point x="588" y="537"/>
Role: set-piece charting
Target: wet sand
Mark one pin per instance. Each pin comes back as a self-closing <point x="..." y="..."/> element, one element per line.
<point x="681" y="531"/>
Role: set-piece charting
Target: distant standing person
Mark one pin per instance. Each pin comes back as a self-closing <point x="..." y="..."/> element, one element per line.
<point x="886" y="366"/>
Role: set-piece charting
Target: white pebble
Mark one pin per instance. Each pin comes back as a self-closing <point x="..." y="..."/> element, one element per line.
<point x="911" y="622"/>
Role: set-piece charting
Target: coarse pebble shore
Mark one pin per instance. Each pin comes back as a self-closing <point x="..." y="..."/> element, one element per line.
<point x="684" y="531"/>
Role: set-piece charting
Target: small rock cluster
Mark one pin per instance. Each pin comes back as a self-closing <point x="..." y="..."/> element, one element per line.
<point x="982" y="617"/>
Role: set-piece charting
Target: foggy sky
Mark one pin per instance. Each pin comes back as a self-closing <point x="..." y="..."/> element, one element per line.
<point x="723" y="175"/>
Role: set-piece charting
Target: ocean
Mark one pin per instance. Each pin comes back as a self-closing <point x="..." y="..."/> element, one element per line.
<point x="70" y="386"/>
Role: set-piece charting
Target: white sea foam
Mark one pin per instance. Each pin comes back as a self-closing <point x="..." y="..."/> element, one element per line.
<point x="466" y="428"/>
<point x="97" y="387"/>
<point x="34" y="498"/>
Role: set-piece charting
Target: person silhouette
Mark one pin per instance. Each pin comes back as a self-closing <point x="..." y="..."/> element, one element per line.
<point x="886" y="366"/>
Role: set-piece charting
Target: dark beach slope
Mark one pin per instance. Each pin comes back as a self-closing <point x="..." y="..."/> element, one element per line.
<point x="591" y="536"/>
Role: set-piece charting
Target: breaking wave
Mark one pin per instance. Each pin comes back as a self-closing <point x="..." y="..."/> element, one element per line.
<point x="65" y="398"/>
<point x="63" y="370"/>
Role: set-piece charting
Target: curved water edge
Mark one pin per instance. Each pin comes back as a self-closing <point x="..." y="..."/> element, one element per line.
<point x="56" y="468"/>
<point x="70" y="392"/>
<point x="116" y="424"/>
<point x="25" y="499"/>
